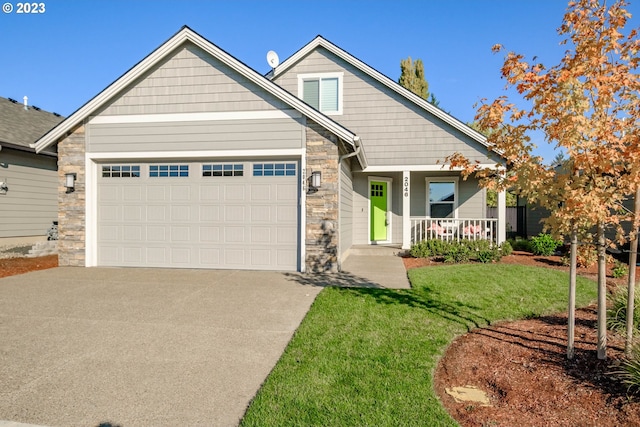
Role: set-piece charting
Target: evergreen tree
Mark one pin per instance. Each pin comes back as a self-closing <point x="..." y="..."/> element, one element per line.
<point x="412" y="77"/>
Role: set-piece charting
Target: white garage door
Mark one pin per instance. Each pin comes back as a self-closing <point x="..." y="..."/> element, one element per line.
<point x="240" y="215"/>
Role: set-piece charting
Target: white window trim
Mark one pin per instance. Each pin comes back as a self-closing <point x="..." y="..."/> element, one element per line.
<point x="339" y="76"/>
<point x="456" y="192"/>
<point x="389" y="182"/>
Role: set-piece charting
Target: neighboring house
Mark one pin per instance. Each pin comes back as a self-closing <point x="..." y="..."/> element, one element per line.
<point x="192" y="159"/>
<point x="28" y="180"/>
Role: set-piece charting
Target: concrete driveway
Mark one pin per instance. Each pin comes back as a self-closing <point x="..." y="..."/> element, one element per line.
<point x="141" y="347"/>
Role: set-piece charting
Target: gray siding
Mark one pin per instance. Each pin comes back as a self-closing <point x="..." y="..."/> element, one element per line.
<point x="191" y="81"/>
<point x="346" y="207"/>
<point x="31" y="203"/>
<point x="394" y="131"/>
<point x="197" y="135"/>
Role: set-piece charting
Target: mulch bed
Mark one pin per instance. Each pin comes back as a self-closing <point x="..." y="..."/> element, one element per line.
<point x="523" y="368"/>
<point x="12" y="266"/>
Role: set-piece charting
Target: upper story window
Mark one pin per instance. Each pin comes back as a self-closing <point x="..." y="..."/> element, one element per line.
<point x="322" y="91"/>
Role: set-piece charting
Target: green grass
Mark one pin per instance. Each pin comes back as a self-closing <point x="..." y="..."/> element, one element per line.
<point x="365" y="357"/>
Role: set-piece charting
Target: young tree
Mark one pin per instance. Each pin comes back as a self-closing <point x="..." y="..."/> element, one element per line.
<point x="412" y="77"/>
<point x="587" y="105"/>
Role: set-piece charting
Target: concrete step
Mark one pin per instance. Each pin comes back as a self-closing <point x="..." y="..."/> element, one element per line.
<point x="376" y="250"/>
<point x="49" y="247"/>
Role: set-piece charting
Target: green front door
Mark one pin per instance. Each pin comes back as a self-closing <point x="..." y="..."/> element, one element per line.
<point x="378" y="197"/>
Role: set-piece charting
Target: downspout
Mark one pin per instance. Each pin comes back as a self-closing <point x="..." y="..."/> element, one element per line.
<point x="356" y="141"/>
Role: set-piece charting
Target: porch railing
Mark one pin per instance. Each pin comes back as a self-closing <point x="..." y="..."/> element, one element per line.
<point x="454" y="229"/>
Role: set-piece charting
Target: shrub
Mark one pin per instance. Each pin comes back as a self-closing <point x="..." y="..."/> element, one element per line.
<point x="520" y="245"/>
<point x="490" y="255"/>
<point x="629" y="373"/>
<point x="506" y="249"/>
<point x="619" y="269"/>
<point x="459" y="252"/>
<point x="544" y="244"/>
<point x="429" y="248"/>
<point x="617" y="313"/>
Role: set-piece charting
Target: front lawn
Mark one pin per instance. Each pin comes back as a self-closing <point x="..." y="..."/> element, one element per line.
<point x="366" y="356"/>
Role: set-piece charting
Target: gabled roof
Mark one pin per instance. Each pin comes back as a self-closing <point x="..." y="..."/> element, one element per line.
<point x="186" y="34"/>
<point x="319" y="41"/>
<point x="20" y="127"/>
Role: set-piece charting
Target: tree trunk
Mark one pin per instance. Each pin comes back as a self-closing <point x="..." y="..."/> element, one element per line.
<point x="602" y="293"/>
<point x="572" y="295"/>
<point x="631" y="287"/>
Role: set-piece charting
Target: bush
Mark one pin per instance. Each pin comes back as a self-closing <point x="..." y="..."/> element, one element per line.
<point x="490" y="255"/>
<point x="629" y="373"/>
<point x="459" y="252"/>
<point x="617" y="313"/>
<point x="506" y="249"/>
<point x="520" y="245"/>
<point x="429" y="248"/>
<point x="619" y="269"/>
<point x="544" y="244"/>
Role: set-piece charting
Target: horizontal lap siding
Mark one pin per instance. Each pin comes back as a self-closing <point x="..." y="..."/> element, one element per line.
<point x="394" y="131"/>
<point x="31" y="204"/>
<point x="190" y="81"/>
<point x="346" y="206"/>
<point x="471" y="198"/>
<point x="199" y="135"/>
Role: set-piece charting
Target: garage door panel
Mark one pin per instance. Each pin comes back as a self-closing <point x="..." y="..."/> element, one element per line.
<point x="199" y="221"/>
<point x="156" y="233"/>
<point x="157" y="213"/>
<point x="234" y="213"/>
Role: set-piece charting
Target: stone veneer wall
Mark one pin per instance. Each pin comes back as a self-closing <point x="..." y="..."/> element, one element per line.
<point x="71" y="206"/>
<point x="322" y="207"/>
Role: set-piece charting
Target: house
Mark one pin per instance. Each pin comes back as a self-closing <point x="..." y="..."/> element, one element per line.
<point x="192" y="159"/>
<point x="28" y="180"/>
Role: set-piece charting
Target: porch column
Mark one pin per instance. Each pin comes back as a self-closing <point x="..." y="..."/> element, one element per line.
<point x="406" y="209"/>
<point x="502" y="216"/>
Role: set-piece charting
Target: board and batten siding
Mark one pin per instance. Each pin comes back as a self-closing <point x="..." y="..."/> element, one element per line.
<point x="394" y="131"/>
<point x="346" y="207"/>
<point x="31" y="204"/>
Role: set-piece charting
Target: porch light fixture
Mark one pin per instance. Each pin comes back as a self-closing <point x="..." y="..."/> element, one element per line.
<point x="315" y="181"/>
<point x="70" y="182"/>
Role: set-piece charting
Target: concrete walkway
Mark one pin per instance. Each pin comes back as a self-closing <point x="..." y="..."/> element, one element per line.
<point x="379" y="266"/>
<point x="141" y="347"/>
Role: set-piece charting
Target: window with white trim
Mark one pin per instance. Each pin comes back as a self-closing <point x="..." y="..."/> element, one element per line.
<point x="121" y="171"/>
<point x="442" y="198"/>
<point x="322" y="91"/>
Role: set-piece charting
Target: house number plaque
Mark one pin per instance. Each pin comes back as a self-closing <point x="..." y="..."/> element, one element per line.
<point x="405" y="186"/>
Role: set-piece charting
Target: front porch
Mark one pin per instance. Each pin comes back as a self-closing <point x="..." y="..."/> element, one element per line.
<point x="454" y="229"/>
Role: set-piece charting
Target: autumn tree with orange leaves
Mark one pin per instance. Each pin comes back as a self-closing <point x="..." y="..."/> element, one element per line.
<point x="588" y="106"/>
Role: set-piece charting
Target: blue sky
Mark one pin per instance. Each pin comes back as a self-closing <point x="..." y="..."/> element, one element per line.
<point x="63" y="57"/>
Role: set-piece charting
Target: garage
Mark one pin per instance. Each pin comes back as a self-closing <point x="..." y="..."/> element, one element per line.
<point x="205" y="214"/>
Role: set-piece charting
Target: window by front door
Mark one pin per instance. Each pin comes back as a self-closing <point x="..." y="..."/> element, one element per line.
<point x="442" y="199"/>
<point x="378" y="200"/>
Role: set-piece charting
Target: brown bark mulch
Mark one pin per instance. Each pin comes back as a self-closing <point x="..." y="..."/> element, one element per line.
<point x="523" y="368"/>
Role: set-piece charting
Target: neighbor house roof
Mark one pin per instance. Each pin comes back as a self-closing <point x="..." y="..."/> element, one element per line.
<point x="186" y="34"/>
<point x="21" y="127"/>
<point x="319" y="41"/>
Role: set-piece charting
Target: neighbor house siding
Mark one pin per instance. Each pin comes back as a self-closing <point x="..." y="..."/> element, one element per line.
<point x="346" y="206"/>
<point x="30" y="205"/>
<point x="191" y="81"/>
<point x="394" y="130"/>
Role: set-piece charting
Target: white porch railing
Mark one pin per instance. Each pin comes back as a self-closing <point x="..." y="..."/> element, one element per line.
<point x="454" y="229"/>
